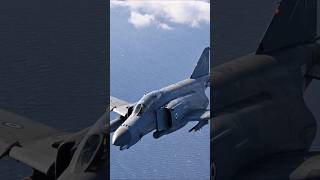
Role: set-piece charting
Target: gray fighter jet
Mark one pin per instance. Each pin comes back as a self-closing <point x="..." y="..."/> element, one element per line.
<point x="55" y="154"/>
<point x="261" y="126"/>
<point x="165" y="110"/>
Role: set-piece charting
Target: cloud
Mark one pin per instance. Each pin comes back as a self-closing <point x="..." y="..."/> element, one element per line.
<point x="140" y="20"/>
<point x="165" y="26"/>
<point x="165" y="14"/>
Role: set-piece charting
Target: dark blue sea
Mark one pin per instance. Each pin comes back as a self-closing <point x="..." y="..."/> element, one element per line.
<point x="52" y="65"/>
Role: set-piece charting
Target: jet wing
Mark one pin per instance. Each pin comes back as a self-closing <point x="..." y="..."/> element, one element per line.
<point x="119" y="106"/>
<point x="28" y="142"/>
<point x="202" y="116"/>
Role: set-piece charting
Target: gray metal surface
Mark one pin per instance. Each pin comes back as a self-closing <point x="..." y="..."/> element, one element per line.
<point x="54" y="154"/>
<point x="258" y="104"/>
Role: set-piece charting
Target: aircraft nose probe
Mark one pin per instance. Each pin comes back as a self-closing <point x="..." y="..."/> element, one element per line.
<point x="121" y="136"/>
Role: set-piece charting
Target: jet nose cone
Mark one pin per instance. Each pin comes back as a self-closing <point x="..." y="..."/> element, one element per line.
<point x="121" y="137"/>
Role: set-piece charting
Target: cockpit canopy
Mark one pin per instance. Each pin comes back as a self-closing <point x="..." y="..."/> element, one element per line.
<point x="89" y="151"/>
<point x="139" y="109"/>
<point x="145" y="102"/>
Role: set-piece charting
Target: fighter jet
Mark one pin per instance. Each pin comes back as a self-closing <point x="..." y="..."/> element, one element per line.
<point x="55" y="154"/>
<point x="165" y="110"/>
<point x="261" y="126"/>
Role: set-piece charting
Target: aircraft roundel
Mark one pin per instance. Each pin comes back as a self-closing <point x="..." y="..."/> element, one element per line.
<point x="12" y="125"/>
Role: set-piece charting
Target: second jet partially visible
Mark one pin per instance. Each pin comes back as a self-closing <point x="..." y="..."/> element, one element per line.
<point x="165" y="110"/>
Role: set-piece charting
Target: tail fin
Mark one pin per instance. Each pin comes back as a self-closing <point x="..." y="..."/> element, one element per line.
<point x="202" y="67"/>
<point x="294" y="23"/>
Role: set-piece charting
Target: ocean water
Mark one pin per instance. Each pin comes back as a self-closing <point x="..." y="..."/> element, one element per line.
<point x="145" y="60"/>
<point x="52" y="65"/>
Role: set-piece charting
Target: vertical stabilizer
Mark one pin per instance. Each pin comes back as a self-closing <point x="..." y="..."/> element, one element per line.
<point x="202" y="67"/>
<point x="294" y="22"/>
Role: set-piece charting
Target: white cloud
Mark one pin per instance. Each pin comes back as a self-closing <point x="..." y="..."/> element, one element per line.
<point x="165" y="26"/>
<point x="166" y="13"/>
<point x="140" y="20"/>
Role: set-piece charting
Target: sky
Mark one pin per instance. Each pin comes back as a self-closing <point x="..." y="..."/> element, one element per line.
<point x="165" y="14"/>
<point x="155" y="44"/>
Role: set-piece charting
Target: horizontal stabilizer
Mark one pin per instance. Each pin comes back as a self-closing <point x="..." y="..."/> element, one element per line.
<point x="199" y="125"/>
<point x="202" y="116"/>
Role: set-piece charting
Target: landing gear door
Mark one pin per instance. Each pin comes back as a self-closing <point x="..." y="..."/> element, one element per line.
<point x="163" y="119"/>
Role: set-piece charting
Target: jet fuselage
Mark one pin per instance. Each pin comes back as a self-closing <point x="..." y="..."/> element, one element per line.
<point x="258" y="107"/>
<point x="162" y="110"/>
